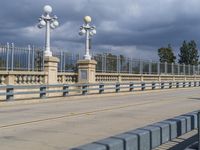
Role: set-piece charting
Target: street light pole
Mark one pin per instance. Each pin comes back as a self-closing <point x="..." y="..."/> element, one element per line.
<point x="89" y="31"/>
<point x="50" y="23"/>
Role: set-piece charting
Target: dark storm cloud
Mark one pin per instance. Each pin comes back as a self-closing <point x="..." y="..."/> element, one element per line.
<point x="132" y="27"/>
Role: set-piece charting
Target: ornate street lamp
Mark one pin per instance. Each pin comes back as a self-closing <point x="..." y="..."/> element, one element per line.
<point x="50" y="23"/>
<point x="89" y="31"/>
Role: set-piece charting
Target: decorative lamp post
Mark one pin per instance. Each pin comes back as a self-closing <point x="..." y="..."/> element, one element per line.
<point x="50" y="23"/>
<point x="89" y="31"/>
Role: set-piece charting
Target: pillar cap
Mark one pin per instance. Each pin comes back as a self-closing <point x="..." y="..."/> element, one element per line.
<point x="51" y="59"/>
<point x="86" y="61"/>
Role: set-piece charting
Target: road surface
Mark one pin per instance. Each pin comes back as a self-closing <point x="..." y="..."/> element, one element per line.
<point x="63" y="123"/>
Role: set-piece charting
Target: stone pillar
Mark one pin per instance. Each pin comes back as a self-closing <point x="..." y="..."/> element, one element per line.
<point x="86" y="71"/>
<point x="51" y="68"/>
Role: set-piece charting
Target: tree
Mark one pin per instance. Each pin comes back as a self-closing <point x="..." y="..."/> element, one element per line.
<point x="189" y="53"/>
<point x="166" y="54"/>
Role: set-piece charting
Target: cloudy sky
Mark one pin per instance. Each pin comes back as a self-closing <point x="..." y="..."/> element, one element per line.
<point x="135" y="28"/>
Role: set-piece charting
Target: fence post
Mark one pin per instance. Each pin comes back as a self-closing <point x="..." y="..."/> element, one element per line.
<point x="101" y="88"/>
<point x="172" y="68"/>
<point x="65" y="90"/>
<point x="150" y="67"/>
<point x="29" y="57"/>
<point x="142" y="86"/>
<point x="84" y="89"/>
<point x="9" y="93"/>
<point x="12" y="55"/>
<point x="162" y="85"/>
<point x="158" y="67"/>
<point x="43" y="91"/>
<point x="117" y="87"/>
<point x="141" y="67"/>
<point x="184" y="69"/>
<point x="178" y="69"/>
<point x="189" y="70"/>
<point x="130" y="66"/>
<point x="131" y="86"/>
<point x="153" y="86"/>
<point x="199" y="83"/>
<point x="33" y="57"/>
<point x="61" y="61"/>
<point x="165" y="67"/>
<point x="7" y="56"/>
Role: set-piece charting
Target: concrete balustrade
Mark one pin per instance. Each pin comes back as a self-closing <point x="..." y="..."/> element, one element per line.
<point x="148" y="137"/>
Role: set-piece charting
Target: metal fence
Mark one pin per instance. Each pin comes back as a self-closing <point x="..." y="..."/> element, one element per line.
<point x="68" y="61"/>
<point x="107" y="63"/>
<point x="21" y="59"/>
<point x="32" y="59"/>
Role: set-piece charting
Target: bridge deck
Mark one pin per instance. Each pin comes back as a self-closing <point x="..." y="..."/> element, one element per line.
<point x="64" y="124"/>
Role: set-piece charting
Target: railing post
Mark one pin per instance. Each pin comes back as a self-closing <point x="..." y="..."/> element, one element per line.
<point x="143" y="86"/>
<point x="65" y="90"/>
<point x="101" y="88"/>
<point x="162" y="85"/>
<point x="153" y="86"/>
<point x="183" y="84"/>
<point x="170" y="85"/>
<point x="9" y="93"/>
<point x="117" y="87"/>
<point x="177" y="84"/>
<point x="189" y="84"/>
<point x="131" y="86"/>
<point x="84" y="89"/>
<point x="199" y="83"/>
<point x="43" y="91"/>
<point x="195" y="83"/>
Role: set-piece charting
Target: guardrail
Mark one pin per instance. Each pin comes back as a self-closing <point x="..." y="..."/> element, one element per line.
<point x="83" y="89"/>
<point x="148" y="137"/>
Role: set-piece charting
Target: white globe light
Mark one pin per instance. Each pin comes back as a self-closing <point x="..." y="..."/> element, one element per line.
<point x="91" y="33"/>
<point x="82" y="31"/>
<point x="52" y="26"/>
<point x="56" y="23"/>
<point x="39" y="26"/>
<point x="42" y="22"/>
<point x="47" y="9"/>
<point x="87" y="19"/>
<point x="94" y="31"/>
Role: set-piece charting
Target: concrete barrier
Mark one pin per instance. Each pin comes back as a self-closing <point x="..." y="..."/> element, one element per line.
<point x="148" y="137"/>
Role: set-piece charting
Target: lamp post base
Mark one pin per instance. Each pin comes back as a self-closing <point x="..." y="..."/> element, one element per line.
<point x="87" y="57"/>
<point x="47" y="53"/>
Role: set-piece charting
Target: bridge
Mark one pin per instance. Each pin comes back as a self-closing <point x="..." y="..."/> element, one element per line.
<point x="63" y="123"/>
<point x="44" y="107"/>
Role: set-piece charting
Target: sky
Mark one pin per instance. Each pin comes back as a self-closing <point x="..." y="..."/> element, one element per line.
<point x="134" y="28"/>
